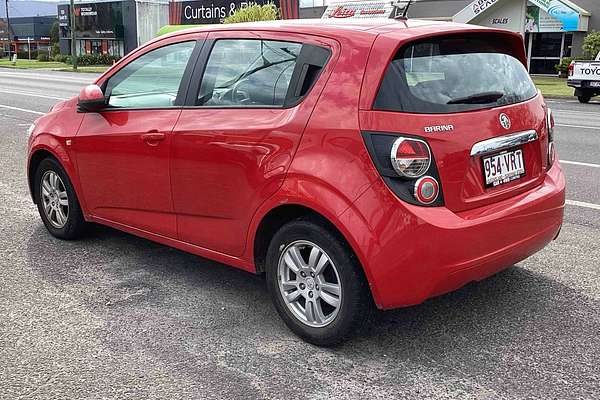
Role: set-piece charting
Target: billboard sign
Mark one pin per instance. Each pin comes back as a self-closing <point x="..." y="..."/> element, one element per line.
<point x="551" y="16"/>
<point x="202" y="12"/>
<point x="94" y="20"/>
<point x="359" y="10"/>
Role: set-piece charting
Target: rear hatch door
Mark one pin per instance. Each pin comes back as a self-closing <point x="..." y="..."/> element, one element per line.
<point x="457" y="90"/>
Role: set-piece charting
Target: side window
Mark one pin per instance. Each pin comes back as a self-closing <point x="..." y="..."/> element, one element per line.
<point x="151" y="80"/>
<point x="248" y="72"/>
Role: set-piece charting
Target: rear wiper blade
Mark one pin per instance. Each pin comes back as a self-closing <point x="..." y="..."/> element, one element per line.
<point x="479" y="98"/>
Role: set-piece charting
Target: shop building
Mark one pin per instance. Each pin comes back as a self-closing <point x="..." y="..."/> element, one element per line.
<point x="552" y="29"/>
<point x="111" y="27"/>
<point x="27" y="34"/>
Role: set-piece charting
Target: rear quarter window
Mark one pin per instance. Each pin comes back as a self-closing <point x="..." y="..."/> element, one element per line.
<point x="453" y="74"/>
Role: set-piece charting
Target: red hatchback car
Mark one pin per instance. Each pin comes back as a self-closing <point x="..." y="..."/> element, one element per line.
<point x="354" y="163"/>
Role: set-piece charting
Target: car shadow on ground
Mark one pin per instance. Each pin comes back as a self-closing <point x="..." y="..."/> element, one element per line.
<point x="495" y="329"/>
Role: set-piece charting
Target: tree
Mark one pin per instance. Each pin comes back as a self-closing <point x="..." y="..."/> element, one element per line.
<point x="54" y="32"/>
<point x="591" y="45"/>
<point x="255" y="12"/>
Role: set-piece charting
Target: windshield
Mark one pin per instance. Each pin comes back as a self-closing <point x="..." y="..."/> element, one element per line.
<point x="452" y="75"/>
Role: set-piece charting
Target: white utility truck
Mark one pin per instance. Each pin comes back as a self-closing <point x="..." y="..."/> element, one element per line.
<point x="584" y="76"/>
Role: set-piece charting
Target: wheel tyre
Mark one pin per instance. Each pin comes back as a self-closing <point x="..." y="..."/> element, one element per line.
<point x="75" y="224"/>
<point x="584" y="98"/>
<point x="356" y="303"/>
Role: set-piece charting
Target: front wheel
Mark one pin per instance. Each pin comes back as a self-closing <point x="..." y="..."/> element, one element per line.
<point x="57" y="202"/>
<point x="316" y="283"/>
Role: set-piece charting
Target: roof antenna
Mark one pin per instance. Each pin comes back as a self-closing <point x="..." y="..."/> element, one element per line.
<point x="401" y="16"/>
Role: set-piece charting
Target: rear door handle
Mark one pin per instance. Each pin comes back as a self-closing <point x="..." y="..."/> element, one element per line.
<point x="153" y="137"/>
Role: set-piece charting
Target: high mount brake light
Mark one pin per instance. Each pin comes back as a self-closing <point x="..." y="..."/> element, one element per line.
<point x="410" y="157"/>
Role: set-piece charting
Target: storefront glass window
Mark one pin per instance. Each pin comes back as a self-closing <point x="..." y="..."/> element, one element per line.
<point x="568" y="45"/>
<point x="96" y="47"/>
<point x="546" y="44"/>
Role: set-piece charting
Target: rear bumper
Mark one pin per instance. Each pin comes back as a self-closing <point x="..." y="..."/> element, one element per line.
<point x="583" y="84"/>
<point x="412" y="253"/>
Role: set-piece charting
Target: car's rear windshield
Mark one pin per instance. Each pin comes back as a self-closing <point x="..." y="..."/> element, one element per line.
<point x="453" y="74"/>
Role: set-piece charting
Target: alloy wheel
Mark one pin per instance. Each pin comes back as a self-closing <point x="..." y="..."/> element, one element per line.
<point x="309" y="283"/>
<point x="55" y="200"/>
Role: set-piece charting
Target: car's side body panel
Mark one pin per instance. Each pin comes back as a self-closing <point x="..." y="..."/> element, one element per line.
<point x="125" y="179"/>
<point x="125" y="174"/>
<point x="226" y="161"/>
<point x="330" y="168"/>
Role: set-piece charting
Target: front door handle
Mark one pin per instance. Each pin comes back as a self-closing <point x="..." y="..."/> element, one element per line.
<point x="153" y="137"/>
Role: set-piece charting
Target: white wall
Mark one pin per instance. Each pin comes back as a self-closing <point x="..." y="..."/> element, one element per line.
<point x="507" y="14"/>
<point x="150" y="17"/>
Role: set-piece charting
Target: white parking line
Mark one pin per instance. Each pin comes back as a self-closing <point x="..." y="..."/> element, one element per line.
<point x="583" y="164"/>
<point x="57" y="77"/>
<point x="32" y="94"/>
<point x="571" y="112"/>
<point x="583" y="204"/>
<point x="578" y="126"/>
<point x="21" y="109"/>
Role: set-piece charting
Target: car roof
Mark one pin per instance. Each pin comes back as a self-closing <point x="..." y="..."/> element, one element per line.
<point x="325" y="27"/>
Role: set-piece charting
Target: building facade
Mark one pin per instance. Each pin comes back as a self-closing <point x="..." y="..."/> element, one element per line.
<point x="111" y="27"/>
<point x="28" y="35"/>
<point x="552" y="29"/>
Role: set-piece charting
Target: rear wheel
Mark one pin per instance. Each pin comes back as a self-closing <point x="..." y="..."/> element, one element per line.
<point x="57" y="202"/>
<point x="584" y="98"/>
<point x="316" y="283"/>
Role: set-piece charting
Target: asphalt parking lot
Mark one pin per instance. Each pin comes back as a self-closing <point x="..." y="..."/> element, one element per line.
<point x="115" y="316"/>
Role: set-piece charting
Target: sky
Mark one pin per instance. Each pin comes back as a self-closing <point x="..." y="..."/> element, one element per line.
<point x="28" y="8"/>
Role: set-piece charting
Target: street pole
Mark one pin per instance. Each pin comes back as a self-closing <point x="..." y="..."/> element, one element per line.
<point x="29" y="47"/>
<point x="73" y="51"/>
<point x="8" y="29"/>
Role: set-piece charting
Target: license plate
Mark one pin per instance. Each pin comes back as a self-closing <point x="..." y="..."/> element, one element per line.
<point x="594" y="84"/>
<point x="503" y="167"/>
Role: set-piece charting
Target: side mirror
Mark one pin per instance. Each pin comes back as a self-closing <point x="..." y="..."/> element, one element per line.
<point x="91" y="99"/>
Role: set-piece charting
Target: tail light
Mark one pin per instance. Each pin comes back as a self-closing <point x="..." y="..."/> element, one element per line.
<point x="426" y="190"/>
<point x="407" y="166"/>
<point x="411" y="158"/>
<point x="571" y="68"/>
<point x="550" y="128"/>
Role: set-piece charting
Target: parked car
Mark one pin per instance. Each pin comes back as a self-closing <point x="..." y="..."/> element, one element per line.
<point x="584" y="76"/>
<point x="356" y="164"/>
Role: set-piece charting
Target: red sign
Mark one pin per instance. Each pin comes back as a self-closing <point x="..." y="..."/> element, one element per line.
<point x="342" y="12"/>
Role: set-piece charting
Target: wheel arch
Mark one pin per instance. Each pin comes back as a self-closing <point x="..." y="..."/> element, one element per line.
<point x="281" y="214"/>
<point x="273" y="220"/>
<point x="42" y="152"/>
<point x="34" y="162"/>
